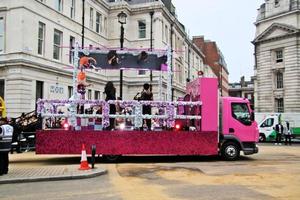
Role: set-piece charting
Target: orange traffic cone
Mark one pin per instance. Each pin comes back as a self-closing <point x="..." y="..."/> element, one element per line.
<point x="84" y="165"/>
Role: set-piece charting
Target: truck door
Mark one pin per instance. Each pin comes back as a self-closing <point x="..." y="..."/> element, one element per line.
<point x="266" y="129"/>
<point x="240" y="122"/>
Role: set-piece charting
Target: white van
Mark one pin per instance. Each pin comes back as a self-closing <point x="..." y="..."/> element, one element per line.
<point x="267" y="124"/>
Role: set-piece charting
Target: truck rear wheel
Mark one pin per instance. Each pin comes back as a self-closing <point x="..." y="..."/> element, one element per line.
<point x="230" y="151"/>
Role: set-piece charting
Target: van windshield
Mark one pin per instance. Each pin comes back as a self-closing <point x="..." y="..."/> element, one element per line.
<point x="268" y="123"/>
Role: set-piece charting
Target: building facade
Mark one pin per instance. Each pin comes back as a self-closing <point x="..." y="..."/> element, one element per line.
<point x="215" y="60"/>
<point x="277" y="57"/>
<point x="243" y="89"/>
<point x="37" y="36"/>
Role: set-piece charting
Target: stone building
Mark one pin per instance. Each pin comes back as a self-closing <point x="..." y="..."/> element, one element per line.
<point x="244" y="89"/>
<point x="277" y="56"/>
<point x="36" y="38"/>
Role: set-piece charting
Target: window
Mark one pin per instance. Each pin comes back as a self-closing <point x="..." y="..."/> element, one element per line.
<point x="72" y="9"/>
<point x="279" y="80"/>
<point x="142" y="72"/>
<point x="71" y="52"/>
<point x="279" y="105"/>
<point x="279" y="56"/>
<point x="142" y="29"/>
<point x="39" y="90"/>
<point x="89" y="94"/>
<point x="97" y="95"/>
<point x="105" y="25"/>
<point x="70" y="91"/>
<point x="186" y="51"/>
<point x="249" y="97"/>
<point x="41" y="39"/>
<point x="91" y="18"/>
<point x="268" y="123"/>
<point x="2" y="88"/>
<point x="59" y="5"/>
<point x="162" y="31"/>
<point x="56" y="44"/>
<point x="1" y="34"/>
<point x="241" y="113"/>
<point x="166" y="34"/>
<point x="197" y="63"/>
<point x="180" y="74"/>
<point x="98" y="22"/>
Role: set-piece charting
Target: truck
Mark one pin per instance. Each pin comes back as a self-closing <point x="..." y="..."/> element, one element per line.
<point x="269" y="121"/>
<point x="211" y="125"/>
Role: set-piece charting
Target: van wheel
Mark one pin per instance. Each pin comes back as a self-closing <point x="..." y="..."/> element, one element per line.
<point x="262" y="137"/>
<point x="111" y="158"/>
<point x="230" y="151"/>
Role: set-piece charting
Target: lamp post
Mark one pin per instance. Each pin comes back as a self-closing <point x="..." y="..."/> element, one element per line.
<point x="151" y="41"/>
<point x="122" y="20"/>
<point x="82" y="26"/>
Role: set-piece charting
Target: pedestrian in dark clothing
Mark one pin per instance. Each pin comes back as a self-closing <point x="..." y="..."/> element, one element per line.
<point x="6" y="132"/>
<point x="146" y="95"/>
<point x="279" y="132"/>
<point x="110" y="92"/>
<point x="287" y="134"/>
<point x="16" y="135"/>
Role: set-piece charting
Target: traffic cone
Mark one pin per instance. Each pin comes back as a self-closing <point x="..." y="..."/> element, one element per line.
<point x="84" y="165"/>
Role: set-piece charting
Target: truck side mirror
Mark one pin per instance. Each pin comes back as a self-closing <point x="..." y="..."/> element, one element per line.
<point x="252" y="116"/>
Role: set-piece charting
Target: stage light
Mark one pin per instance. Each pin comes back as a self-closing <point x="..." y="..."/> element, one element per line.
<point x="66" y="125"/>
<point x="177" y="127"/>
<point x="122" y="126"/>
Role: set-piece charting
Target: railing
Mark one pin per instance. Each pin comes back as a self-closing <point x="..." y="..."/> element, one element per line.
<point x="168" y="110"/>
<point x="132" y="1"/>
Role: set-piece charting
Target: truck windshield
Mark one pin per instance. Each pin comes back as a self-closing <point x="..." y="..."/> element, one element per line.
<point x="241" y="113"/>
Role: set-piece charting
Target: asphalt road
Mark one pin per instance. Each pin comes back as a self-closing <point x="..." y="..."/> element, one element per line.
<point x="274" y="173"/>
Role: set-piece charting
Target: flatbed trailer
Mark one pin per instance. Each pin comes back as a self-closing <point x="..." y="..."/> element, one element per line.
<point x="128" y="142"/>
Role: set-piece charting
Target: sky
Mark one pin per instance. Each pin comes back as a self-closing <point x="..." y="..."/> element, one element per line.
<point x="228" y="22"/>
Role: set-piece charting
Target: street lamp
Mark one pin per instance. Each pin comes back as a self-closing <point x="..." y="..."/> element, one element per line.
<point x="122" y="20"/>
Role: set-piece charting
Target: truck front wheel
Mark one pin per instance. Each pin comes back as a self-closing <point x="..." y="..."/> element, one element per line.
<point x="230" y="151"/>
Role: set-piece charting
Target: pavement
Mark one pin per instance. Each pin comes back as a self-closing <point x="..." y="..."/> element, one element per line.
<point x="273" y="173"/>
<point x="29" y="167"/>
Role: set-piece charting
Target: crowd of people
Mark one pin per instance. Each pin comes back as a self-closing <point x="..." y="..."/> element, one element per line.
<point x="281" y="131"/>
<point x="145" y="95"/>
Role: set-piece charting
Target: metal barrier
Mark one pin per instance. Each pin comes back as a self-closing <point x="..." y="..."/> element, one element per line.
<point x="48" y="108"/>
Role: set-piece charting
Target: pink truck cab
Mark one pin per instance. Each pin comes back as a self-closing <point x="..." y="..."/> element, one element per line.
<point x="237" y="128"/>
<point x="233" y="118"/>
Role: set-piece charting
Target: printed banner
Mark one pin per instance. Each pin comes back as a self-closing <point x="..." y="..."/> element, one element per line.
<point x="124" y="60"/>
